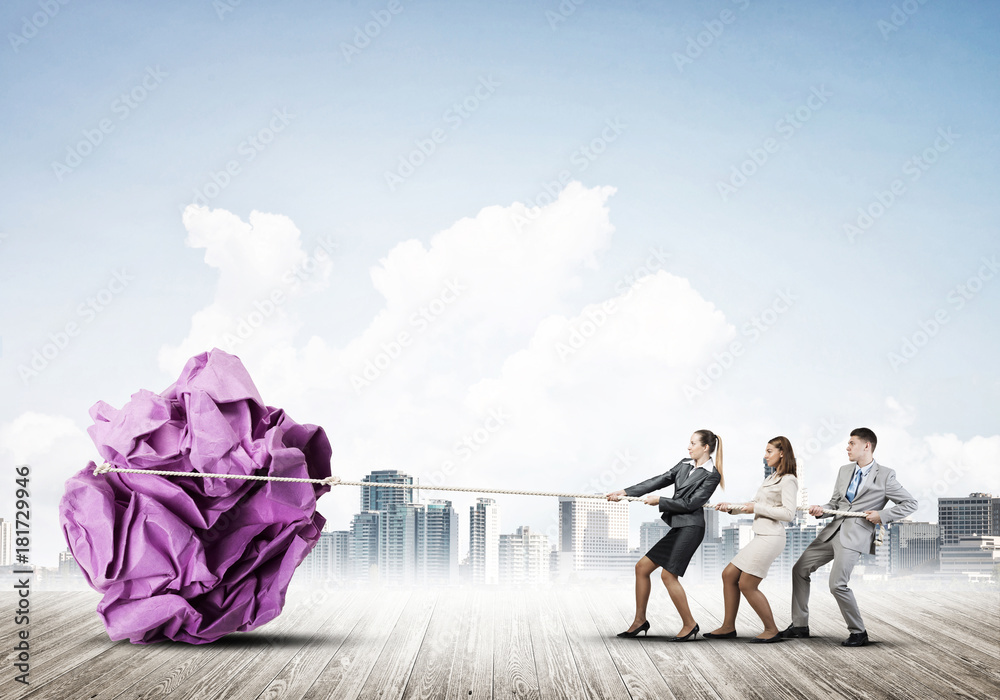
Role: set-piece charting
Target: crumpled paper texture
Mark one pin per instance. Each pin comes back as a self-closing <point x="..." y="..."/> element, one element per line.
<point x="186" y="558"/>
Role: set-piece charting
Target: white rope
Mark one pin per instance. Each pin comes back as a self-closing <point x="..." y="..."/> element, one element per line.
<point x="337" y="481"/>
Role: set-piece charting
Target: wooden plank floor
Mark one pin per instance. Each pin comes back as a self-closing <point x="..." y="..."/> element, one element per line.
<point x="557" y="642"/>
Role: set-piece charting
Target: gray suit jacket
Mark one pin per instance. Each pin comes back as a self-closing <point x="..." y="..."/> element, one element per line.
<point x="858" y="534"/>
<point x="691" y="492"/>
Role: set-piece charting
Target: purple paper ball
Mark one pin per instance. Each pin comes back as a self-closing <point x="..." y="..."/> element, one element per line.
<point x="187" y="558"/>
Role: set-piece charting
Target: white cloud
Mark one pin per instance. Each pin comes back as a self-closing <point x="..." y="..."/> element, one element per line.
<point x="509" y="382"/>
<point x="262" y="265"/>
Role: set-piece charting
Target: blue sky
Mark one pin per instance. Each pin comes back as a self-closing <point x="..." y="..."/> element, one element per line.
<point x="556" y="82"/>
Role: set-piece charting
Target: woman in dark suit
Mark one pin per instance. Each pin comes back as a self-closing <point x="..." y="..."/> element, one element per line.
<point x="694" y="481"/>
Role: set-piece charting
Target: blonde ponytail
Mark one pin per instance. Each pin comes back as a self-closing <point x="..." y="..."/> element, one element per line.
<point x="714" y="444"/>
<point x="718" y="461"/>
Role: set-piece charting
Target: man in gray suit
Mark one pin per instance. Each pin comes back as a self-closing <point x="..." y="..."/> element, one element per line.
<point x="863" y="486"/>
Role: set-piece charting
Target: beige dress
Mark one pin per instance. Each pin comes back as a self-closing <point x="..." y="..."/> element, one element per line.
<point x="774" y="505"/>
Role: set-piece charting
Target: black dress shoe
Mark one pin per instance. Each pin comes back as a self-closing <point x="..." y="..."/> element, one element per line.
<point x="644" y="628"/>
<point x="724" y="635"/>
<point x="689" y="636"/>
<point x="793" y="632"/>
<point x="768" y="640"/>
<point x="857" y="639"/>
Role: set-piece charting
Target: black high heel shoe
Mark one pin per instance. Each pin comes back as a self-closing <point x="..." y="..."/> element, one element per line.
<point x="689" y="636"/>
<point x="644" y="628"/>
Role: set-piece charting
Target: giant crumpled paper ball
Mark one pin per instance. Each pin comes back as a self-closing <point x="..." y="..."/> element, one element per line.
<point x="187" y="558"/>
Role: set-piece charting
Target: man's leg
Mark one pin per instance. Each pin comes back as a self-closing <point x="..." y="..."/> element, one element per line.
<point x="815" y="555"/>
<point x="840" y="575"/>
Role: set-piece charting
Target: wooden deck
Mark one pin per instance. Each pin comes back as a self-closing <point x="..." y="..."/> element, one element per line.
<point x="473" y="643"/>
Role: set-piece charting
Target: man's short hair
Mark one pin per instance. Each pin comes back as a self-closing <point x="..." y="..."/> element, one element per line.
<point x="865" y="434"/>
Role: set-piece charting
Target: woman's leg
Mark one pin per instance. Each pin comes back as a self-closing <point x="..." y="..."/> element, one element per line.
<point x="730" y="594"/>
<point x="644" y="568"/>
<point x="680" y="601"/>
<point x="748" y="586"/>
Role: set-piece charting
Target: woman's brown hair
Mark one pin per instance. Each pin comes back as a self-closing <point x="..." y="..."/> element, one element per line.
<point x="714" y="444"/>
<point x="786" y="462"/>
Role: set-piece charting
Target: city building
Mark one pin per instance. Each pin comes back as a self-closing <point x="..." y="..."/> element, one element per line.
<point x="913" y="547"/>
<point x="978" y="514"/>
<point x="383" y="499"/>
<point x="593" y="536"/>
<point x="68" y="568"/>
<point x="330" y="557"/>
<point x="484" y="541"/>
<point x="401" y="548"/>
<point x="977" y="558"/>
<point x="524" y="558"/>
<point x="365" y="528"/>
<point x="438" y="529"/>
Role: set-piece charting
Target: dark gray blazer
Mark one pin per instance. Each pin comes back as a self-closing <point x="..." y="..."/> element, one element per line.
<point x="691" y="492"/>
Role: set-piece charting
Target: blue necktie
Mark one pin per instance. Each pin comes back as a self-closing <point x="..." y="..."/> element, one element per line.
<point x="852" y="490"/>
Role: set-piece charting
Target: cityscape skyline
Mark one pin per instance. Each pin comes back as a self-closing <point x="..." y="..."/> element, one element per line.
<point x="964" y="544"/>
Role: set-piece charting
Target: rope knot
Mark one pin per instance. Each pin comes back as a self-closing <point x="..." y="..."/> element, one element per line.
<point x="332" y="480"/>
<point x="103" y="469"/>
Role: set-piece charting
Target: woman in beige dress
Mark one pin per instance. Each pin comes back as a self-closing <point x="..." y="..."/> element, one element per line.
<point x="772" y="507"/>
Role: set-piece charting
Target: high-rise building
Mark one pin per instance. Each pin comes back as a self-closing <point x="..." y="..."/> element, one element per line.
<point x="912" y="547"/>
<point x="976" y="515"/>
<point x="6" y="542"/>
<point x="68" y="566"/>
<point x="484" y="541"/>
<point x="382" y="499"/>
<point x="329" y="558"/>
<point x="593" y="535"/>
<point x="711" y="560"/>
<point x="711" y="524"/>
<point x="365" y="545"/>
<point x="524" y="558"/>
<point x="438" y="529"/>
<point x="401" y="546"/>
